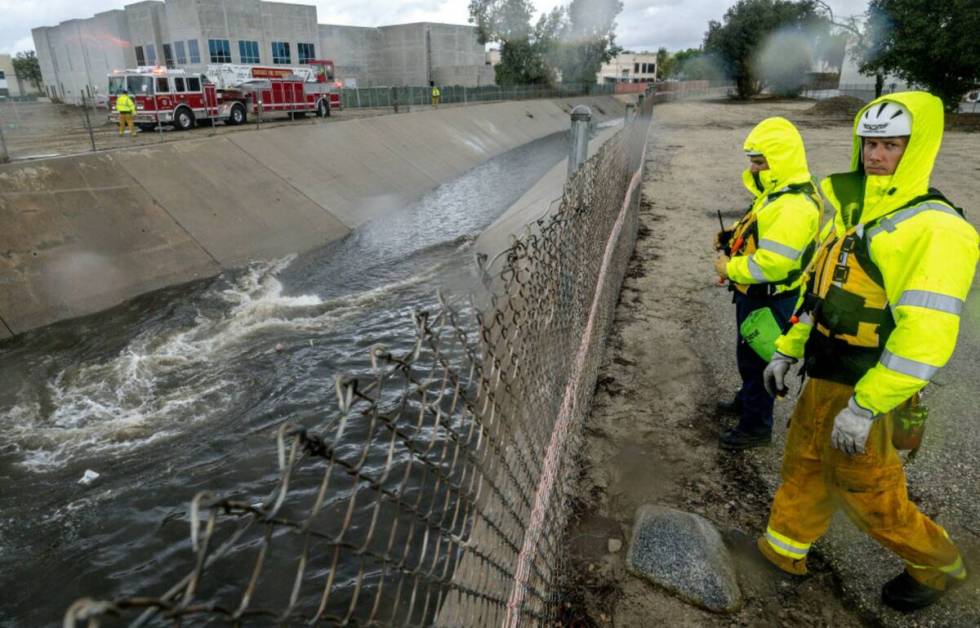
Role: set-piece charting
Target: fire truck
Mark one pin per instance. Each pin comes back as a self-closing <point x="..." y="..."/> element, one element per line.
<point x="225" y="92"/>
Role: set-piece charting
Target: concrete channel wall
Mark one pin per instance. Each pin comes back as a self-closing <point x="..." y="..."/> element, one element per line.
<point x="84" y="233"/>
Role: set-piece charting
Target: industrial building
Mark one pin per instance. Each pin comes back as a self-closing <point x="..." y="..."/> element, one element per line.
<point x="77" y="55"/>
<point x="629" y="67"/>
<point x="10" y="85"/>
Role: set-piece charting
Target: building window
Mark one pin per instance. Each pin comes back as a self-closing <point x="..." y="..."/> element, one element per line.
<point x="249" y="51"/>
<point x="168" y="55"/>
<point x="219" y="50"/>
<point x="193" y="51"/>
<point x="305" y="52"/>
<point x="181" y="51"/>
<point x="636" y="68"/>
<point x="140" y="58"/>
<point x="280" y="52"/>
<point x="151" y="54"/>
<point x="2" y="75"/>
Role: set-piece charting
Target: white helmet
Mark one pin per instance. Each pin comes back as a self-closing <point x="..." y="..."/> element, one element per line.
<point x="889" y="119"/>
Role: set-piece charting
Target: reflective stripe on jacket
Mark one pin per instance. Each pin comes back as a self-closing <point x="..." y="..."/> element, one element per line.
<point x="776" y="237"/>
<point x="125" y="104"/>
<point x="896" y="295"/>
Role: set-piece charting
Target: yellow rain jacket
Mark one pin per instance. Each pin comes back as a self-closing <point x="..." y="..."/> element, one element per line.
<point x="891" y="275"/>
<point x="125" y="104"/>
<point x="775" y="240"/>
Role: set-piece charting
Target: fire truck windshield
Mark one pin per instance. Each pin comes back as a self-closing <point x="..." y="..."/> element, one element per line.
<point x="135" y="84"/>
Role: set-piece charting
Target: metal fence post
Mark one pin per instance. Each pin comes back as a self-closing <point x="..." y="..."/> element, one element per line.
<point x="578" y="149"/>
<point x="88" y="122"/>
<point x="4" y="155"/>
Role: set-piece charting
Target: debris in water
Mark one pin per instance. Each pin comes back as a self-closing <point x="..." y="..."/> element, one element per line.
<point x="88" y="477"/>
<point x="279" y="347"/>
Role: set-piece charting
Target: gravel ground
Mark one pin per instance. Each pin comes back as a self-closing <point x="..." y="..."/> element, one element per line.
<point x="652" y="433"/>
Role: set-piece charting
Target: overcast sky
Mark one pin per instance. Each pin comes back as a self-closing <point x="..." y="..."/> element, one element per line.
<point x="643" y="24"/>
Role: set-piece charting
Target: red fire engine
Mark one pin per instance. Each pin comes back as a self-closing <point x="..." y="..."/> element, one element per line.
<point x="227" y="93"/>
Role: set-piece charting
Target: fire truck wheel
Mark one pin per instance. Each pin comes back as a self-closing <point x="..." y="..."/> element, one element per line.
<point x="184" y="119"/>
<point x="323" y="109"/>
<point x="237" y="115"/>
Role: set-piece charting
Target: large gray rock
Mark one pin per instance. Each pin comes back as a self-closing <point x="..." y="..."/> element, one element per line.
<point x="683" y="553"/>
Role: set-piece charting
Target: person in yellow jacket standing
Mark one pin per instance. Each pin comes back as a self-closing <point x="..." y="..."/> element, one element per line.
<point x="436" y="94"/>
<point x="126" y="108"/>
<point x="763" y="260"/>
<point x="879" y="319"/>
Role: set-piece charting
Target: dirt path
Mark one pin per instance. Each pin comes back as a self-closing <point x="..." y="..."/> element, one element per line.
<point x="652" y="435"/>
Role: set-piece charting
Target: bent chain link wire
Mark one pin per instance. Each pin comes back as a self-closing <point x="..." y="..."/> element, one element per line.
<point x="410" y="505"/>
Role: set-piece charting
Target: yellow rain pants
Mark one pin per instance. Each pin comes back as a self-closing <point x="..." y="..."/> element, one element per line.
<point x="869" y="487"/>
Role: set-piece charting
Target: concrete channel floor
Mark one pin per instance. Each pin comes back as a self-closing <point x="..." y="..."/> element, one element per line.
<point x="652" y="434"/>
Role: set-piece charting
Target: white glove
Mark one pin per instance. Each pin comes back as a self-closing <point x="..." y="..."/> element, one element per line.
<point x="851" y="428"/>
<point x="774" y="377"/>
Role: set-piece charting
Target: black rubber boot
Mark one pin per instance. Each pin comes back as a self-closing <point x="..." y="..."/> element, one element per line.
<point x="733" y="407"/>
<point x="906" y="594"/>
<point x="737" y="439"/>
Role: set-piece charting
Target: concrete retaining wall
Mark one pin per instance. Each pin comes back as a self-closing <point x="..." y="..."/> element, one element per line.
<point x="84" y="233"/>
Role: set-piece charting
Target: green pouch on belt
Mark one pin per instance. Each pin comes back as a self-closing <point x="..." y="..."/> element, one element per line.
<point x="761" y="330"/>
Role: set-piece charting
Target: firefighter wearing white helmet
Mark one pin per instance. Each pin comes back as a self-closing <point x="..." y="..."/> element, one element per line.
<point x="879" y="318"/>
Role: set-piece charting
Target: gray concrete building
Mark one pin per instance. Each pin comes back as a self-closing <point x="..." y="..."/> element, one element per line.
<point x="77" y="55"/>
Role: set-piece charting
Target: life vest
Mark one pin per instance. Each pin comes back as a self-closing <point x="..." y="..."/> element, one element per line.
<point x="745" y="241"/>
<point x="846" y="300"/>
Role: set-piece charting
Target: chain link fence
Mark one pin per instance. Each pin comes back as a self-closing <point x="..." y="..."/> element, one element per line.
<point x="435" y="490"/>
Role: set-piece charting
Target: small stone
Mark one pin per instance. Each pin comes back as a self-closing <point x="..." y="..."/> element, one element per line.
<point x="614" y="545"/>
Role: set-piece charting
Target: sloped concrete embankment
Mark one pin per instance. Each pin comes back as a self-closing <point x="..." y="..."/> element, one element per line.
<point x="81" y="234"/>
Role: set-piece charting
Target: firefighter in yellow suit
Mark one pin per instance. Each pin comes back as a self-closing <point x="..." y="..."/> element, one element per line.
<point x="769" y="248"/>
<point x="126" y="108"/>
<point x="436" y="94"/>
<point x="880" y="316"/>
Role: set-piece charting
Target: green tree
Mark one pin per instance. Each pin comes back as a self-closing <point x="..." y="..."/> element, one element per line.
<point x="27" y="68"/>
<point x="737" y="41"/>
<point x="665" y="63"/>
<point x="588" y="39"/>
<point x="932" y="43"/>
<point x="522" y="49"/>
<point x="855" y="32"/>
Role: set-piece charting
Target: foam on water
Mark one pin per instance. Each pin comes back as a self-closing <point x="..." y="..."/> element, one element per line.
<point x="166" y="378"/>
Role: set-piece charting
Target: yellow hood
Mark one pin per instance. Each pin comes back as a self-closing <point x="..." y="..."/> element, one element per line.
<point x="885" y="193"/>
<point x="781" y="144"/>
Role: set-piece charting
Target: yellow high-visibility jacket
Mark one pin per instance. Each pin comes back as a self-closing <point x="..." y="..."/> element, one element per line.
<point x="892" y="274"/>
<point x="776" y="237"/>
<point x="125" y="104"/>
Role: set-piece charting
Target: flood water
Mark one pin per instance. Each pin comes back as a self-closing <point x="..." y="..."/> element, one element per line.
<point x="181" y="390"/>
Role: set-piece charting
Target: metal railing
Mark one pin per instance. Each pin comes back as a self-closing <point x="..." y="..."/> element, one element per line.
<point x="435" y="491"/>
<point x="458" y="94"/>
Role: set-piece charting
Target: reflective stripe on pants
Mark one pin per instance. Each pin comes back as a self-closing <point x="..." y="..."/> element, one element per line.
<point x="870" y="488"/>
